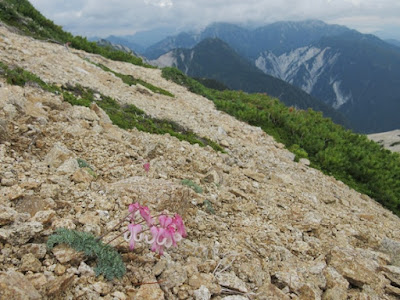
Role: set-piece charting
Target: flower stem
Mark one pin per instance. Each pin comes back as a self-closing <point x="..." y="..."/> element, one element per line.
<point x="107" y="232"/>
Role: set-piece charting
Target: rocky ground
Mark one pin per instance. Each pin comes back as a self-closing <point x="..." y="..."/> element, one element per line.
<point x="264" y="227"/>
<point x="390" y="139"/>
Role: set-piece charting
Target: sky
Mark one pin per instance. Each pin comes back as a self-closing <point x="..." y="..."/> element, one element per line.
<point x="124" y="17"/>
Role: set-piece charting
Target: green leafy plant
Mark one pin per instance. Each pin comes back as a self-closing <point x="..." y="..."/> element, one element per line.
<point x="192" y="185"/>
<point x="298" y="151"/>
<point x="109" y="261"/>
<point x="208" y="207"/>
<point x="84" y="165"/>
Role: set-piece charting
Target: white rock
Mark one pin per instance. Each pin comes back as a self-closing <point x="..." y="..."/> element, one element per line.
<point x="202" y="293"/>
<point x="58" y="155"/>
<point x="230" y="280"/>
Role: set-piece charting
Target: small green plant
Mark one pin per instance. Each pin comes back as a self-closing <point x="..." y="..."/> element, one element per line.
<point x="208" y="207"/>
<point x="395" y="144"/>
<point x="83" y="163"/>
<point x="109" y="261"/>
<point x="192" y="185"/>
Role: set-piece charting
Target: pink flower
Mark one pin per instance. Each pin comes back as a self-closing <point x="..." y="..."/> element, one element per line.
<point x="157" y="245"/>
<point x="171" y="237"/>
<point x="165" y="221"/>
<point x="145" y="213"/>
<point x="146" y="167"/>
<point x="133" y="208"/>
<point x="180" y="227"/>
<point x="131" y="235"/>
<point x="165" y="235"/>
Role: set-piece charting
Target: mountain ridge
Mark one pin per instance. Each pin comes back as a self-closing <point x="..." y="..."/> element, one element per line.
<point x="215" y="59"/>
<point x="352" y="72"/>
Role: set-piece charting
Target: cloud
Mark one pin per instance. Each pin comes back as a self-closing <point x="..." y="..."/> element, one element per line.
<point x="102" y="18"/>
<point x="161" y="3"/>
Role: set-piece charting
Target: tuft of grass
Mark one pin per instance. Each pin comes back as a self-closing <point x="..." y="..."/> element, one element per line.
<point x="194" y="186"/>
<point x="109" y="261"/>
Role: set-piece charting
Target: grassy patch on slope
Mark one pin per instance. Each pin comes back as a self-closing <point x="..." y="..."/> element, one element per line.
<point x="124" y="116"/>
<point x="130" y="80"/>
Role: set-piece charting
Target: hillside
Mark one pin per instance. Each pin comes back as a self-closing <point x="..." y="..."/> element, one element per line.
<point x="215" y="59"/>
<point x="261" y="227"/>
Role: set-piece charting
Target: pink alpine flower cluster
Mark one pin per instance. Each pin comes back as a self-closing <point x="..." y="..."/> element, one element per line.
<point x="165" y="234"/>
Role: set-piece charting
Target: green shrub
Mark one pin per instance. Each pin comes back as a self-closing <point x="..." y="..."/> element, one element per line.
<point x="83" y="163"/>
<point x="298" y="151"/>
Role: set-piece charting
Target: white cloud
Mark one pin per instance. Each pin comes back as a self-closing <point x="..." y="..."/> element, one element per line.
<point x="96" y="17"/>
<point x="160" y="3"/>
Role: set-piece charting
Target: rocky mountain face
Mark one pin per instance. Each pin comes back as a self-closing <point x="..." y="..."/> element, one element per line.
<point x="124" y="42"/>
<point x="215" y="59"/>
<point x="354" y="73"/>
<point x="278" y="37"/>
<point x="119" y="47"/>
<point x="343" y="72"/>
<point x="264" y="227"/>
